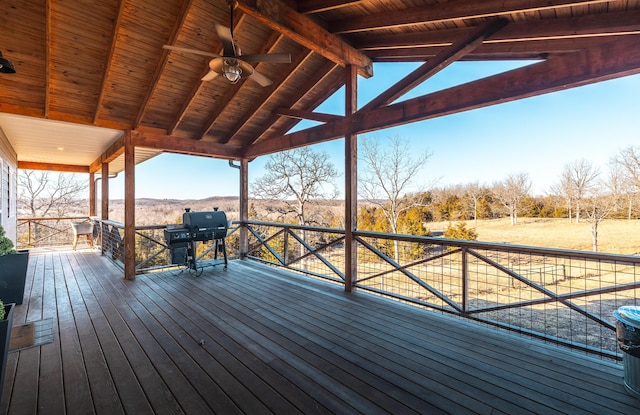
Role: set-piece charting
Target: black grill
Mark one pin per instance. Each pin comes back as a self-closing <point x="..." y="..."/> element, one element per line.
<point x="205" y="226"/>
<point x="197" y="227"/>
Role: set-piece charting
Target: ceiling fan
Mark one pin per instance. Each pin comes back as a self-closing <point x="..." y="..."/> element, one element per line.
<point x="232" y="65"/>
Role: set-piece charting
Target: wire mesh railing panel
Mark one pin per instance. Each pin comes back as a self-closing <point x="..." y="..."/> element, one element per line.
<point x="313" y="251"/>
<point x="565" y="297"/>
<point x="44" y="232"/>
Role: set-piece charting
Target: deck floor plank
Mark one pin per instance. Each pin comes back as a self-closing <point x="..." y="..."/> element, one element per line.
<point x="248" y="332"/>
<point x="310" y="349"/>
<point x="441" y="351"/>
<point x="258" y="340"/>
<point x="147" y="376"/>
<point x="114" y="373"/>
<point x="103" y="391"/>
<point x="263" y="380"/>
<point x="71" y="313"/>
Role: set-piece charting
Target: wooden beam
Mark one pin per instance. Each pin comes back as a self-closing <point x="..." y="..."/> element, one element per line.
<point x="450" y="11"/>
<point x="607" y="61"/>
<point x="318" y="6"/>
<point x="303" y="30"/>
<point x="444" y="59"/>
<point x="115" y="150"/>
<point x="67" y="168"/>
<point x="129" y="207"/>
<point x="529" y="34"/>
<point x="307" y="115"/>
<point x="174" y="144"/>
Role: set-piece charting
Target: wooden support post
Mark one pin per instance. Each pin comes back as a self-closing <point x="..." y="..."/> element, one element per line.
<point x="244" y="207"/>
<point x="92" y="194"/>
<point x="104" y="207"/>
<point x="351" y="182"/>
<point x="129" y="208"/>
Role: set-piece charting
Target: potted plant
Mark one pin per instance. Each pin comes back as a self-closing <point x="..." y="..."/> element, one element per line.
<point x="6" y="321"/>
<point x="13" y="270"/>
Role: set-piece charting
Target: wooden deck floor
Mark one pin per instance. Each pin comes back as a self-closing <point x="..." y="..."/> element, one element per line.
<point x="255" y="340"/>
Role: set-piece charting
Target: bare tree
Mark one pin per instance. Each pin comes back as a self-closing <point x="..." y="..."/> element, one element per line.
<point x="474" y="194"/>
<point x="583" y="176"/>
<point x="388" y="178"/>
<point x="629" y="162"/>
<point x="43" y="193"/>
<point x="621" y="188"/>
<point x="48" y="194"/>
<point x="565" y="189"/>
<point x="297" y="177"/>
<point x="511" y="192"/>
<point x="597" y="208"/>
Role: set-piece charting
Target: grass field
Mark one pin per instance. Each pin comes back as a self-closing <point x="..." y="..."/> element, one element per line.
<point x="614" y="236"/>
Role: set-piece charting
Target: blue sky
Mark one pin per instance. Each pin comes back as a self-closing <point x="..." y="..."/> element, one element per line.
<point x="537" y="136"/>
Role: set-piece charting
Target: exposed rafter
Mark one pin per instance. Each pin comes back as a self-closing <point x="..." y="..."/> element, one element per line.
<point x="308" y="115"/>
<point x="105" y="66"/>
<point x="449" y="11"/>
<point x="449" y="55"/>
<point x="317" y="6"/>
<point x="162" y="61"/>
<point x="614" y="59"/>
<point x="259" y="103"/>
<point x="526" y="34"/>
<point x="195" y="91"/>
<point x="284" y="19"/>
<point x="109" y="62"/>
<point x="321" y="74"/>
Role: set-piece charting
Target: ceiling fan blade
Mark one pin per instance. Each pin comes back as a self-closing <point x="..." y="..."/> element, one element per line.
<point x="261" y="79"/>
<point x="268" y="57"/>
<point x="224" y="34"/>
<point x="192" y="51"/>
<point x="209" y="76"/>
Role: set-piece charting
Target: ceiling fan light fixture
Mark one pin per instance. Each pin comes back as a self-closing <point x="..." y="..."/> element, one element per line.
<point x="231" y="70"/>
<point x="6" y="66"/>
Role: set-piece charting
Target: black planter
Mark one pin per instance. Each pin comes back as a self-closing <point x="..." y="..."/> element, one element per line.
<point x="5" y="337"/>
<point x="13" y="274"/>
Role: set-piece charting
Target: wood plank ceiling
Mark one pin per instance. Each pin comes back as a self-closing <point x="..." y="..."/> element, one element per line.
<point x="103" y="63"/>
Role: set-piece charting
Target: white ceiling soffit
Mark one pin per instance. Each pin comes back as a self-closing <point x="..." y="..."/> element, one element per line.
<point x="57" y="142"/>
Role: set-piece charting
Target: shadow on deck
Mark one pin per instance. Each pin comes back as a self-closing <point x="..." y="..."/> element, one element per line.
<point x="256" y="340"/>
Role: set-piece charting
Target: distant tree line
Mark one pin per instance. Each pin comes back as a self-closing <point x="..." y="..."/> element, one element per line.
<point x="298" y="178"/>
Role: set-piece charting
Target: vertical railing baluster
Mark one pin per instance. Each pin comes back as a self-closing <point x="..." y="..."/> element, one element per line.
<point x="465" y="281"/>
<point x="285" y="254"/>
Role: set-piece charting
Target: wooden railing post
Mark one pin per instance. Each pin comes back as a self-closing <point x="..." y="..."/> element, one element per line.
<point x="285" y="254"/>
<point x="465" y="280"/>
<point x="244" y="208"/>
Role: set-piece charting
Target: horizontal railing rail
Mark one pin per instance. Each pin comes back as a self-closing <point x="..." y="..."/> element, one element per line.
<point x="46" y="231"/>
<point x="561" y="296"/>
<point x="152" y="252"/>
